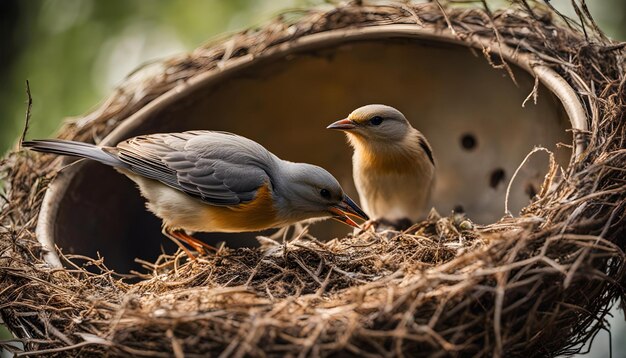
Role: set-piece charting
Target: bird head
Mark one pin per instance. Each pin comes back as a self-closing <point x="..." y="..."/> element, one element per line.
<point x="312" y="192"/>
<point x="374" y="122"/>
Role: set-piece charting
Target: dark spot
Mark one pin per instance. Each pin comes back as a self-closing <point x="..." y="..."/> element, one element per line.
<point x="403" y="224"/>
<point x="241" y="51"/>
<point x="399" y="224"/>
<point x="427" y="150"/>
<point x="495" y="60"/>
<point x="325" y="193"/>
<point x="468" y="141"/>
<point x="458" y="209"/>
<point x="376" y="120"/>
<point x="531" y="190"/>
<point x="497" y="177"/>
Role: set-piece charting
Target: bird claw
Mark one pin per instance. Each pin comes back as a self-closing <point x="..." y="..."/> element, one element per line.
<point x="179" y="235"/>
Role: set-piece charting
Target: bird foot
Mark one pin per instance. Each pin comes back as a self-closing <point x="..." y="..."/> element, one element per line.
<point x="180" y="235"/>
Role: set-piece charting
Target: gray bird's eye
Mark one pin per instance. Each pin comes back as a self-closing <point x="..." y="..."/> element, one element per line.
<point x="325" y="193"/>
<point x="376" y="120"/>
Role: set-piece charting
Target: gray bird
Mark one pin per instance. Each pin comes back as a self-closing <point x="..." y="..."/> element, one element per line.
<point x="393" y="165"/>
<point x="210" y="181"/>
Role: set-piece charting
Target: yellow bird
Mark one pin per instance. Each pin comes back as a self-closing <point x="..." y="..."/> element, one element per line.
<point x="393" y="164"/>
<point x="217" y="182"/>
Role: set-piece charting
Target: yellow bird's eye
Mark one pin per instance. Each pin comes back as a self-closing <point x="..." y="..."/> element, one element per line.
<point x="376" y="120"/>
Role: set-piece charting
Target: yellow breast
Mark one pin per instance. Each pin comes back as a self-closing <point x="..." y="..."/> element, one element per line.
<point x="400" y="158"/>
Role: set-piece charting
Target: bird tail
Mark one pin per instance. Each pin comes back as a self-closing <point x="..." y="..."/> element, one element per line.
<point x="76" y="149"/>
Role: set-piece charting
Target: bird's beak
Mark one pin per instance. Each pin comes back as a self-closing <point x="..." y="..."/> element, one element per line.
<point x="344" y="125"/>
<point x="347" y="207"/>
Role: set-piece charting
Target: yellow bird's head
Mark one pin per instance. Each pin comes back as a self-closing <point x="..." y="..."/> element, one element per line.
<point x="375" y="122"/>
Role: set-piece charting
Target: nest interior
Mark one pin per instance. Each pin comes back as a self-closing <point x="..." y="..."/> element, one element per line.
<point x="538" y="283"/>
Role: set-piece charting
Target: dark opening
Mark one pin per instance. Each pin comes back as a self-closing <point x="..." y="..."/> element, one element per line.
<point x="497" y="176"/>
<point x="468" y="141"/>
<point x="531" y="190"/>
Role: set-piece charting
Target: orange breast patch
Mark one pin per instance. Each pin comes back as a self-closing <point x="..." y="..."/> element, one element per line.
<point x="388" y="161"/>
<point x="257" y="214"/>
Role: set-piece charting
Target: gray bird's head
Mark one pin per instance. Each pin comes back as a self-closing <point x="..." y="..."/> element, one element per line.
<point x="309" y="191"/>
<point x="375" y="122"/>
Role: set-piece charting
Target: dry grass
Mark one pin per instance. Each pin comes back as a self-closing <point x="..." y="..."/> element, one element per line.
<point x="539" y="284"/>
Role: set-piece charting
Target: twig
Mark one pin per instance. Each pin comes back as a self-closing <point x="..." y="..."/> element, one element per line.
<point x="508" y="188"/>
<point x="28" y="114"/>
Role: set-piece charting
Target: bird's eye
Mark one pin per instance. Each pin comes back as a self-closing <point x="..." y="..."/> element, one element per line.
<point x="325" y="193"/>
<point x="376" y="120"/>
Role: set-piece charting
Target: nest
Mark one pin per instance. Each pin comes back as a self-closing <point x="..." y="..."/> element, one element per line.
<point x="537" y="284"/>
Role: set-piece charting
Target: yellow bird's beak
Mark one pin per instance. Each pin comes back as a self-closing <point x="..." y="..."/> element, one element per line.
<point x="344" y="125"/>
<point x="346" y="208"/>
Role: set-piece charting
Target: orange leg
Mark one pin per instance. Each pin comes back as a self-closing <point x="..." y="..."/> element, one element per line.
<point x="170" y="235"/>
<point x="192" y="241"/>
<point x="179" y="235"/>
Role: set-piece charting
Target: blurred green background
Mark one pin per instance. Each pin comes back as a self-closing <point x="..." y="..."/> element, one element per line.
<point x="74" y="52"/>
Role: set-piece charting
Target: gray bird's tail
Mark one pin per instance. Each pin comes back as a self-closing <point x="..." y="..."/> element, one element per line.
<point x="76" y="149"/>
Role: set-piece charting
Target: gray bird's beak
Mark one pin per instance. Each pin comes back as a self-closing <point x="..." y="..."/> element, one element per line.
<point x="347" y="207"/>
<point x="344" y="125"/>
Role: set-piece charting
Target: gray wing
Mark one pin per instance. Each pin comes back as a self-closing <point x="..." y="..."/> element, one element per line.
<point x="217" y="167"/>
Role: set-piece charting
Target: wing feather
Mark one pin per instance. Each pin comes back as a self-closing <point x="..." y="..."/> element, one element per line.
<point x="217" y="167"/>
